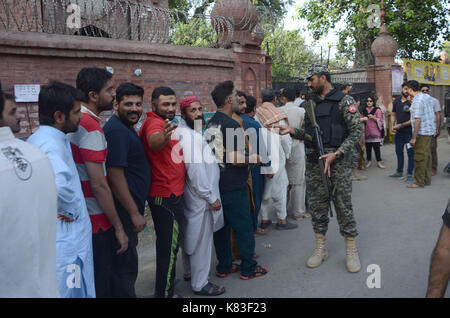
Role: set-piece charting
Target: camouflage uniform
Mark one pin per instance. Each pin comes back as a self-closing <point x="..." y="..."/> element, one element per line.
<point x="341" y="177"/>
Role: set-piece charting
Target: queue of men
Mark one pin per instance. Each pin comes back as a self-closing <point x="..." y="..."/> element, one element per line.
<point x="207" y="184"/>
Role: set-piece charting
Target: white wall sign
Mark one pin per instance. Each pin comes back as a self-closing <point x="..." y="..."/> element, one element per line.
<point x="27" y="93"/>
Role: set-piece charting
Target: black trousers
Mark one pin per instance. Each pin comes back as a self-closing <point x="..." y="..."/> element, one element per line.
<point x="168" y="216"/>
<point x="125" y="268"/>
<point x="103" y="251"/>
<point x="376" y="148"/>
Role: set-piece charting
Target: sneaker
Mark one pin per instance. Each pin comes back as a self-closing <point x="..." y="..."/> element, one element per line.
<point x="396" y="175"/>
<point x="286" y="226"/>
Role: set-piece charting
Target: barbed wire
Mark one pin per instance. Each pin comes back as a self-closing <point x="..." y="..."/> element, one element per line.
<point x="118" y="19"/>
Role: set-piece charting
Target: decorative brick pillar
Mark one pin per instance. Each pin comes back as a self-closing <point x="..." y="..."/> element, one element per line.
<point x="384" y="48"/>
<point x="252" y="70"/>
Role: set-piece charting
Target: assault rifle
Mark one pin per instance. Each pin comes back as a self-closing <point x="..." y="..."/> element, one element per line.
<point x="317" y="138"/>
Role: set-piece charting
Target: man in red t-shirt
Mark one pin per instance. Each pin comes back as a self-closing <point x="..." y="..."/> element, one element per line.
<point x="165" y="197"/>
<point x="89" y="150"/>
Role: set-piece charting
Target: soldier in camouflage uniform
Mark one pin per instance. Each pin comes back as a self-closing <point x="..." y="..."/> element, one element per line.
<point x="339" y="121"/>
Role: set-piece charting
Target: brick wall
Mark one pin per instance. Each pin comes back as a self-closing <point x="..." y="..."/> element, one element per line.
<point x="38" y="58"/>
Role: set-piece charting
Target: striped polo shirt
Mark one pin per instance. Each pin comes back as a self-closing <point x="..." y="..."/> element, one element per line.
<point x="89" y="145"/>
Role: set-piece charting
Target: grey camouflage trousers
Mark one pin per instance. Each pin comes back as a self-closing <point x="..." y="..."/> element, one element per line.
<point x="341" y="180"/>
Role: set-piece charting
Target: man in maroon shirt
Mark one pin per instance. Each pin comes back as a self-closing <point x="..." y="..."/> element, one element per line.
<point x="165" y="197"/>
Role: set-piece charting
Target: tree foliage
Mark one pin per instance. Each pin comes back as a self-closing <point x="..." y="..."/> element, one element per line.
<point x="195" y="32"/>
<point x="291" y="56"/>
<point x="415" y="24"/>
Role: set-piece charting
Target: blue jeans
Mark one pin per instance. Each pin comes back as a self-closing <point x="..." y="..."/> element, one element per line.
<point x="237" y="217"/>
<point x="401" y="139"/>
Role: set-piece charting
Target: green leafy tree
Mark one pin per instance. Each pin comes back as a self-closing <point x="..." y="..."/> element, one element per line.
<point x="290" y="54"/>
<point x="415" y="24"/>
<point x="195" y="32"/>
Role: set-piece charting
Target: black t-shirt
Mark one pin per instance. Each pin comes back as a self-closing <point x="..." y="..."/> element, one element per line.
<point x="402" y="111"/>
<point x="126" y="150"/>
<point x="446" y="216"/>
<point x="219" y="127"/>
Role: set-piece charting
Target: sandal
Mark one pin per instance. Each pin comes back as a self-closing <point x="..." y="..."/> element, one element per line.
<point x="234" y="269"/>
<point x="265" y="225"/>
<point x="210" y="289"/>
<point x="260" y="231"/>
<point x="258" y="272"/>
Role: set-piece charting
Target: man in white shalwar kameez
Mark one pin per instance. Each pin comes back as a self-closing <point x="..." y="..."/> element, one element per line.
<point x="203" y="210"/>
<point x="295" y="166"/>
<point x="59" y="114"/>
<point x="279" y="147"/>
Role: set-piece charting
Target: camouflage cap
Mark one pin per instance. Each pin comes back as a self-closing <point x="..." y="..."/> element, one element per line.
<point x="316" y="68"/>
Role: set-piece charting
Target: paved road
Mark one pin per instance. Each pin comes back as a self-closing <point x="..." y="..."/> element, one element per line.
<point x="398" y="230"/>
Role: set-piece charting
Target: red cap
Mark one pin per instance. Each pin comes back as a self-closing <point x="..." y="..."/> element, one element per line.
<point x="187" y="101"/>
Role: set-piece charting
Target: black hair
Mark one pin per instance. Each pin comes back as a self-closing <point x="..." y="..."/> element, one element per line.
<point x="289" y="93"/>
<point x="424" y="85"/>
<point x="1" y="101"/>
<point x="268" y="94"/>
<point x="414" y="85"/>
<point x="128" y="89"/>
<point x="221" y="93"/>
<point x="7" y="96"/>
<point x="298" y="91"/>
<point x="404" y="84"/>
<point x="251" y="104"/>
<point x="92" y="79"/>
<point x="372" y="97"/>
<point x="57" y="96"/>
<point x="241" y="94"/>
<point x="327" y="76"/>
<point x="166" y="91"/>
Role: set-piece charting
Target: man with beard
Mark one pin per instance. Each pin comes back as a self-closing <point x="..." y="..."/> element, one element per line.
<point x="8" y="113"/>
<point x="129" y="177"/>
<point x="27" y="176"/>
<point x="203" y="210"/>
<point x="165" y="196"/>
<point x="89" y="150"/>
<point x="339" y="120"/>
<point x="403" y="133"/>
<point x="59" y="114"/>
<point x="226" y="138"/>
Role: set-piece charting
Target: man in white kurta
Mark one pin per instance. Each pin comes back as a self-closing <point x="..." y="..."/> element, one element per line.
<point x="279" y="148"/>
<point x="295" y="166"/>
<point x="27" y="220"/>
<point x="203" y="211"/>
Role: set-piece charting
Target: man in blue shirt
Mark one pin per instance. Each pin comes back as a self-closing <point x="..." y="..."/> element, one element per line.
<point x="129" y="177"/>
<point x="59" y="114"/>
<point x="253" y="127"/>
<point x="424" y="128"/>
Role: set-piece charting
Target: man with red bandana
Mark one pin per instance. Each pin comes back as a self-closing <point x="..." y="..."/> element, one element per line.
<point x="203" y="209"/>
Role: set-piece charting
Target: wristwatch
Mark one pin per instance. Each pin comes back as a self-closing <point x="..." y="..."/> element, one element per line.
<point x="337" y="154"/>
